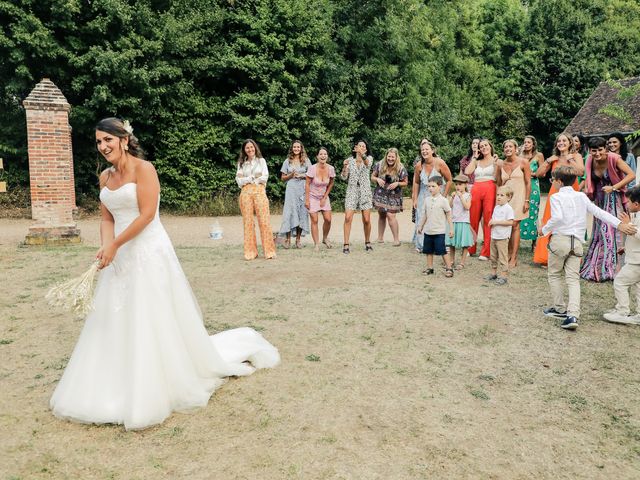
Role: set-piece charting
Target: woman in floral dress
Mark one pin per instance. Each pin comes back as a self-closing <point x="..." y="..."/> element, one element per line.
<point x="390" y="176"/>
<point x="529" y="226"/>
<point x="356" y="170"/>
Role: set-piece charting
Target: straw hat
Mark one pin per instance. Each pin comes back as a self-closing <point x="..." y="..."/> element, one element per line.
<point x="461" y="178"/>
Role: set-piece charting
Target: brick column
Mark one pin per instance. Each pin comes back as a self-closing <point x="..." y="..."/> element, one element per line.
<point x="53" y="197"/>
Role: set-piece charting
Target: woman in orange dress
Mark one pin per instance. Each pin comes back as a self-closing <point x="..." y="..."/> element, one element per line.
<point x="563" y="154"/>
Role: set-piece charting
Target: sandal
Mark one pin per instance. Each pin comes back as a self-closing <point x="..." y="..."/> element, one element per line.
<point x="396" y="244"/>
<point x="287" y="244"/>
<point x="345" y="248"/>
<point x="327" y="243"/>
<point x="448" y="272"/>
<point x="459" y="266"/>
<point x="368" y="247"/>
<point x="428" y="271"/>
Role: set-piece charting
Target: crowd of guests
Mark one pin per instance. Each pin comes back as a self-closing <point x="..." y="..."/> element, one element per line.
<point x="497" y="193"/>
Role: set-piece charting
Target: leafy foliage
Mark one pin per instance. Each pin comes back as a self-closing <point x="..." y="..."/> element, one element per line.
<point x="196" y="77"/>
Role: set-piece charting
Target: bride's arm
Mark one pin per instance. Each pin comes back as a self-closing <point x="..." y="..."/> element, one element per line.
<point x="148" y="189"/>
<point x="106" y="226"/>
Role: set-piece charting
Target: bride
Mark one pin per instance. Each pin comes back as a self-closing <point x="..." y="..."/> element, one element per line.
<point x="143" y="351"/>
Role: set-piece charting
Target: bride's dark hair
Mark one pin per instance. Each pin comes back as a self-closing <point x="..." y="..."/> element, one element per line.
<point x="116" y="127"/>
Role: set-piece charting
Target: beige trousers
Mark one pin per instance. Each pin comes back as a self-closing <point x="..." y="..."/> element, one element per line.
<point x="563" y="261"/>
<point x="627" y="277"/>
<point x="500" y="255"/>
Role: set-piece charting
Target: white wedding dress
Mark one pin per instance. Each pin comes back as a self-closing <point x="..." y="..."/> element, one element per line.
<point x="144" y="351"/>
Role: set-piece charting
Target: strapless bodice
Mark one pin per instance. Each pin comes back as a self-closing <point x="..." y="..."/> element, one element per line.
<point x="122" y="203"/>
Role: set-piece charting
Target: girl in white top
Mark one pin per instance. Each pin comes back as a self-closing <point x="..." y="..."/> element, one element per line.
<point x="251" y="176"/>
<point x="460" y="201"/>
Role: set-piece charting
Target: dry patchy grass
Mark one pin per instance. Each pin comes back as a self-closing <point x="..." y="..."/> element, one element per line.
<point x="386" y="374"/>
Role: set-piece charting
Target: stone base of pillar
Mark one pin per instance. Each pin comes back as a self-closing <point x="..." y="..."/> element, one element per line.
<point x="64" y="235"/>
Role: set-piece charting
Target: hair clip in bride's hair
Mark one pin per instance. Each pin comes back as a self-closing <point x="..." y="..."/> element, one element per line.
<point x="127" y="127"/>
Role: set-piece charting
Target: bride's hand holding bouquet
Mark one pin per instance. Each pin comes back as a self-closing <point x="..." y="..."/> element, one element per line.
<point x="105" y="254"/>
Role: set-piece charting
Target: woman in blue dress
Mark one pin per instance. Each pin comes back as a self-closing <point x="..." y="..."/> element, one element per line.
<point x="295" y="217"/>
<point x="428" y="166"/>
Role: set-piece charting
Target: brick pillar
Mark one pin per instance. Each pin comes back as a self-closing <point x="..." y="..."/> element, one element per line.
<point x="53" y="197"/>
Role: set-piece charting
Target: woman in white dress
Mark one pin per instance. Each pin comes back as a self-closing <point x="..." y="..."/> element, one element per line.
<point x="143" y="351"/>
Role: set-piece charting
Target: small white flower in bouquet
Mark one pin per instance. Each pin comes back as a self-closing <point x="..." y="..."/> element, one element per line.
<point x="75" y="295"/>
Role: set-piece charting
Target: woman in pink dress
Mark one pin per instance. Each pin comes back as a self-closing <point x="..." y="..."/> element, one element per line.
<point x="320" y="178"/>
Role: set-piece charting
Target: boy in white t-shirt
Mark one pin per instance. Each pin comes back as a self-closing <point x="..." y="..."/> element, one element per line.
<point x="501" y="225"/>
<point x="435" y="217"/>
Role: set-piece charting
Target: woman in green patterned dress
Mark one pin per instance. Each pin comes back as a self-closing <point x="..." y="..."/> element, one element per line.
<point x="529" y="226"/>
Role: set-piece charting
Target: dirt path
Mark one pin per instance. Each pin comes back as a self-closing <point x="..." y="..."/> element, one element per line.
<point x="194" y="231"/>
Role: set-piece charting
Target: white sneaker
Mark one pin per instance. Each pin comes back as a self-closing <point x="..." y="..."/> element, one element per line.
<point x="482" y="258"/>
<point x="616" y="317"/>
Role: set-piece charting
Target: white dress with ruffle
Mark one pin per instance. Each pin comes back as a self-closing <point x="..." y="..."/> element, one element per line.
<point x="144" y="351"/>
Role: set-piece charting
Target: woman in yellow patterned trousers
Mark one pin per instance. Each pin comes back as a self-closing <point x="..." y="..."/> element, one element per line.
<point x="251" y="176"/>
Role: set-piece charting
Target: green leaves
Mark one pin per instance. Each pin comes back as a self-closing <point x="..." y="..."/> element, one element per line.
<point x="198" y="77"/>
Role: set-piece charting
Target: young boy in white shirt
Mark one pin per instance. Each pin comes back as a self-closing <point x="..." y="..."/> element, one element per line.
<point x="501" y="225"/>
<point x="629" y="275"/>
<point x="567" y="225"/>
<point x="435" y="217"/>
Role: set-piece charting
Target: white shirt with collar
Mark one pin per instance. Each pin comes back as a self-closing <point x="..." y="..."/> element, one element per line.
<point x="569" y="214"/>
<point x="632" y="243"/>
<point x="253" y="171"/>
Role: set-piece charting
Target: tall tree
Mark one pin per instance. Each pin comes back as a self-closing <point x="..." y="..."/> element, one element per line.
<point x="567" y="52"/>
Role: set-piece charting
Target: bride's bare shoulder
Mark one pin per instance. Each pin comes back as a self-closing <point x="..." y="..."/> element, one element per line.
<point x="105" y="175"/>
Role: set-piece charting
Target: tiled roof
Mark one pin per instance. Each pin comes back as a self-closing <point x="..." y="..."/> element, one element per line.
<point x="590" y="122"/>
